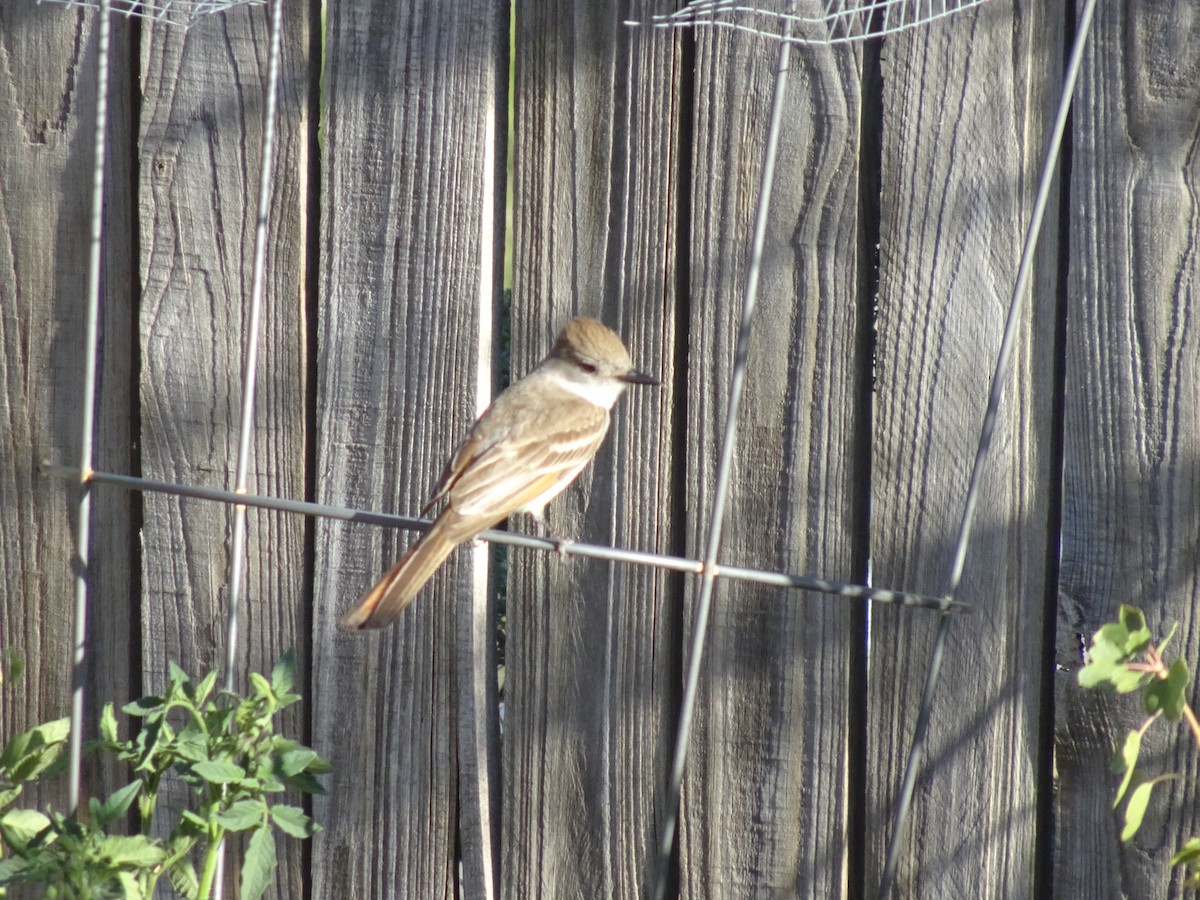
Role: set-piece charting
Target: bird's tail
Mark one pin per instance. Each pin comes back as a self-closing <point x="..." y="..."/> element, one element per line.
<point x="395" y="590"/>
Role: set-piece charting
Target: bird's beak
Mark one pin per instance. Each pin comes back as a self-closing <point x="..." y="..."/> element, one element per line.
<point x="635" y="377"/>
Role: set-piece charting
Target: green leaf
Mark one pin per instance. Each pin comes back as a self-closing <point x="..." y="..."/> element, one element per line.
<point x="132" y="850"/>
<point x="1134" y="624"/>
<point x="130" y="888"/>
<point x="1104" y="656"/>
<point x="1188" y="854"/>
<point x="108" y="724"/>
<point x="1126" y="680"/>
<point x="182" y="875"/>
<point x="55" y="732"/>
<point x="20" y="826"/>
<point x="14" y="750"/>
<point x="269" y="784"/>
<point x="296" y="761"/>
<point x="320" y="766"/>
<point x="215" y="772"/>
<point x="307" y="783"/>
<point x="8" y="795"/>
<point x="1167" y="694"/>
<point x="261" y="686"/>
<point x="189" y="816"/>
<point x="1128" y="758"/>
<point x="11" y="870"/>
<point x="258" y="869"/>
<point x="179" y="846"/>
<point x="118" y="804"/>
<point x="176" y="675"/>
<point x="1135" y="810"/>
<point x="143" y="707"/>
<point x="284" y="673"/>
<point x="1162" y="645"/>
<point x="205" y="687"/>
<point x="30" y="755"/>
<point x="243" y="815"/>
<point x="292" y="820"/>
<point x="191" y="744"/>
<point x="1112" y="637"/>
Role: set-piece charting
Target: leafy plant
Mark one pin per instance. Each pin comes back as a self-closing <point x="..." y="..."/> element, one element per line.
<point x="222" y="746"/>
<point x="1124" y="657"/>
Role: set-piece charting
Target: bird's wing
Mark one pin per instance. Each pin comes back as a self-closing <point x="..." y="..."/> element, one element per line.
<point x="536" y="451"/>
<point x="463" y="456"/>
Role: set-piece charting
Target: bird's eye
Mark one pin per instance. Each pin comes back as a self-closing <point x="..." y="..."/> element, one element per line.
<point x="588" y="367"/>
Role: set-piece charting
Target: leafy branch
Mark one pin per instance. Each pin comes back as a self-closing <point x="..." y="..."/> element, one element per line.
<point x="1124" y="657"/>
<point x="222" y="746"/>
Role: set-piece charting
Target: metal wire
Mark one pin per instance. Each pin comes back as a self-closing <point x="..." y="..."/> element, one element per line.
<point x="687" y="710"/>
<point x="839" y="22"/>
<point x="168" y="12"/>
<point x="88" y="420"/>
<point x="708" y="568"/>
<point x="237" y="553"/>
<point x="561" y="547"/>
<point x="995" y="397"/>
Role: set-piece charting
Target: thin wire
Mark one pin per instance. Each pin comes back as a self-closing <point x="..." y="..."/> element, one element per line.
<point x="183" y="13"/>
<point x="562" y="547"/>
<point x="237" y="553"/>
<point x="687" y="710"/>
<point x="250" y="370"/>
<point x="856" y="22"/>
<point x="91" y="351"/>
<point x="999" y="379"/>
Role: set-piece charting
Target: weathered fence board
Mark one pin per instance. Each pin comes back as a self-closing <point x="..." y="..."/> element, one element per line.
<point x="1131" y="479"/>
<point x="591" y="659"/>
<point x="775" y="699"/>
<point x="975" y="88"/>
<point x="638" y="154"/>
<point x="404" y="268"/>
<point x="201" y="139"/>
<point x="47" y="124"/>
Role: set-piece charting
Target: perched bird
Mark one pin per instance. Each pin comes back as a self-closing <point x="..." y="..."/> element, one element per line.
<point x="525" y="448"/>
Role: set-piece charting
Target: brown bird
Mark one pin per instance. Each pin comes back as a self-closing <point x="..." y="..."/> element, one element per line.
<point x="525" y="448"/>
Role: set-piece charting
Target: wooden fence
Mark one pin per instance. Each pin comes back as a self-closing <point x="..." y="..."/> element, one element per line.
<point x="905" y="184"/>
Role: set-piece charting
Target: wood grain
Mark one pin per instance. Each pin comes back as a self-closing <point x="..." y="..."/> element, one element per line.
<point x="47" y="124"/>
<point x="404" y="266"/>
<point x="765" y="807"/>
<point x="964" y="110"/>
<point x="1131" y="481"/>
<point x="201" y="137"/>
<point x="591" y="652"/>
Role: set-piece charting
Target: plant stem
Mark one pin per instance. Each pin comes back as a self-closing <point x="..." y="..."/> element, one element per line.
<point x="1192" y="723"/>
<point x="211" y="854"/>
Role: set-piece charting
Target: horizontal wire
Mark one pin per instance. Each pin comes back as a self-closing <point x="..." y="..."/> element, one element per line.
<point x="555" y="545"/>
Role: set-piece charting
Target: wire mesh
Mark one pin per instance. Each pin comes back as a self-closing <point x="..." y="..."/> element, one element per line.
<point x="170" y="12"/>
<point x="810" y="22"/>
<point x="839" y="22"/>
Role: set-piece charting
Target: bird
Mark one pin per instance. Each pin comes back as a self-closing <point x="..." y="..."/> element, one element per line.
<point x="526" y="447"/>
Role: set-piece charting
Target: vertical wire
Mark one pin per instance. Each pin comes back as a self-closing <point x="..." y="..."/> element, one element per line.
<point x="999" y="379"/>
<point x="250" y="369"/>
<point x="724" y="467"/>
<point x="88" y="419"/>
<point x="237" y="554"/>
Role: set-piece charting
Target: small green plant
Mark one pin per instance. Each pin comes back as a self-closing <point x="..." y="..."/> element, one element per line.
<point x="222" y="746"/>
<point x="1125" y="658"/>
